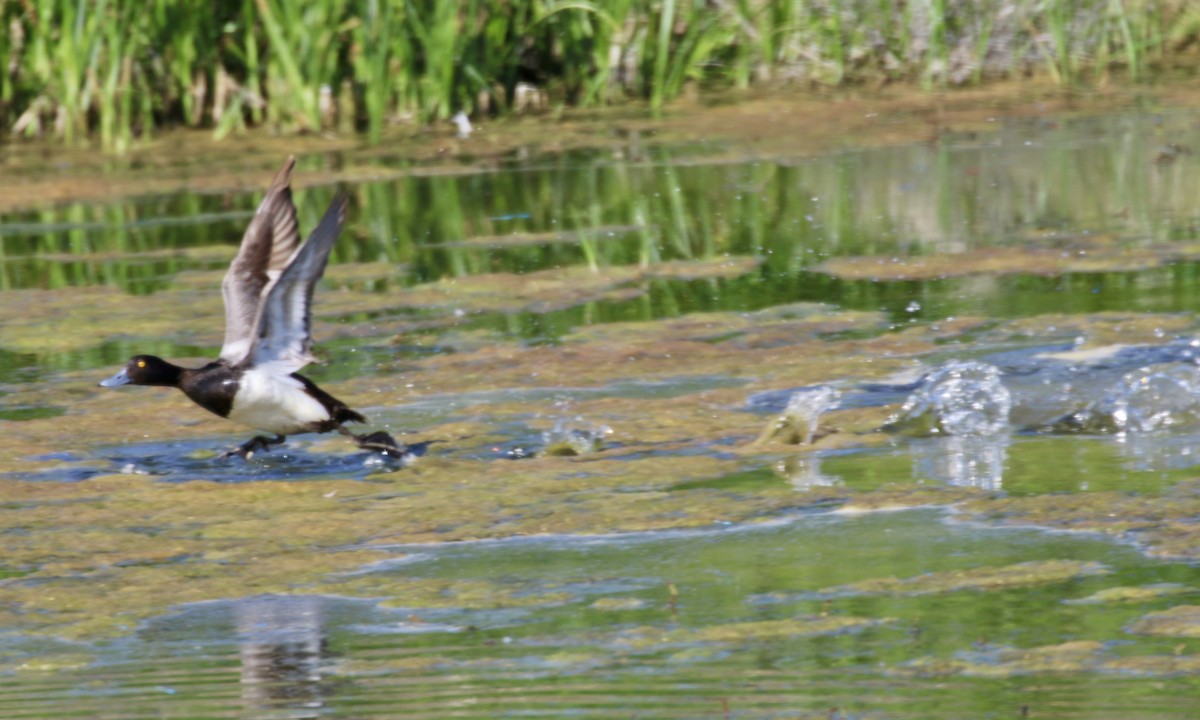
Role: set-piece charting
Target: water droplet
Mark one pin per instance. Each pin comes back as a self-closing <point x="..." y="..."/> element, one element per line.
<point x="805" y="407"/>
<point x="962" y="397"/>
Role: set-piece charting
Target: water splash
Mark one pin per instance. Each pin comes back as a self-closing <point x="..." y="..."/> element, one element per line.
<point x="574" y="435"/>
<point x="799" y="421"/>
<point x="963" y="397"/>
<point x="806" y="406"/>
<point x="1150" y="399"/>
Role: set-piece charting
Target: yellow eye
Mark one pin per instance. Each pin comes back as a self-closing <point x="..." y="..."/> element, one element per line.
<point x="141" y="363"/>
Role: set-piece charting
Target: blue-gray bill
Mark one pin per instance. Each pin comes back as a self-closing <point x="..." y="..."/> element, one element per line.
<point x="116" y="380"/>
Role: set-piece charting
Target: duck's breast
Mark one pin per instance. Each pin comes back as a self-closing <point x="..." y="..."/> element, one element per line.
<point x="275" y="403"/>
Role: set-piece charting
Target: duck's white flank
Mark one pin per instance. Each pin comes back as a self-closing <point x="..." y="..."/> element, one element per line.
<point x="276" y="403"/>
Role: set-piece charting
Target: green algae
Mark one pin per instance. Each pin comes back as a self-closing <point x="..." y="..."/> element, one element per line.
<point x="47" y="321"/>
<point x="1100" y="330"/>
<point x="1163" y="525"/>
<point x="130" y="544"/>
<point x="761" y="630"/>
<point x="98" y="558"/>
<point x="361" y="667"/>
<point x="644" y="638"/>
<point x="1069" y="657"/>
<point x="613" y="604"/>
<point x="1026" y="260"/>
<point x="393" y="591"/>
<point x="101" y="556"/>
<point x="1078" y="656"/>
<point x="559" y="288"/>
<point x="985" y="579"/>
<point x="1155" y="665"/>
<point x="1135" y="594"/>
<point x="230" y="540"/>
<point x="898" y="496"/>
<point x="47" y="664"/>
<point x="194" y="533"/>
<point x="1181" y="621"/>
<point x="520" y="239"/>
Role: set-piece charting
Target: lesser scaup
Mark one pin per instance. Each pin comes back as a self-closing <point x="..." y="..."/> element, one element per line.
<point x="268" y="314"/>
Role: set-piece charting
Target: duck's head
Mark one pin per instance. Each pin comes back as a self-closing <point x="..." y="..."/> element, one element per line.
<point x="145" y="370"/>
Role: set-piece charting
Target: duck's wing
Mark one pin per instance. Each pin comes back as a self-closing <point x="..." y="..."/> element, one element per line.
<point x="282" y="340"/>
<point x="269" y="242"/>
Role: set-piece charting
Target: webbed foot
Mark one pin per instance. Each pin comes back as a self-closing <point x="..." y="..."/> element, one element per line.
<point x="380" y="442"/>
<point x="384" y="444"/>
<point x="259" y="442"/>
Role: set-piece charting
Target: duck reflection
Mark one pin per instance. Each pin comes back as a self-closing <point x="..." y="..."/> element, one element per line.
<point x="283" y="649"/>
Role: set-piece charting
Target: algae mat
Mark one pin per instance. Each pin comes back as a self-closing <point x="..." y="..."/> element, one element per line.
<point x="617" y="509"/>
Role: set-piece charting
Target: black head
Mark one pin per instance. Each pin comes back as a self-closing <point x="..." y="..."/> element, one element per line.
<point x="145" y="370"/>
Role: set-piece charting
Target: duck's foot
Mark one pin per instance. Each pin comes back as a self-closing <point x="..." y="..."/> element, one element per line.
<point x="259" y="442"/>
<point x="378" y="441"/>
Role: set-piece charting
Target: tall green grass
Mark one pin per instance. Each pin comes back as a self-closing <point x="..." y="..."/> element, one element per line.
<point x="114" y="70"/>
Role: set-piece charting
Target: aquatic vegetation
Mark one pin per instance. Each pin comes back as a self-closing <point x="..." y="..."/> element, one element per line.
<point x="1070" y="657"/>
<point x="1162" y="525"/>
<point x="556" y="289"/>
<point x="1142" y="593"/>
<point x="615" y="604"/>
<point x="643" y="638"/>
<point x="1181" y="621"/>
<point x="770" y="629"/>
<point x="1007" y="661"/>
<point x="1003" y="261"/>
<point x="1031" y="573"/>
<point x="50" y="663"/>
<point x="333" y="65"/>
<point x="1155" y="665"/>
<point x="673" y="557"/>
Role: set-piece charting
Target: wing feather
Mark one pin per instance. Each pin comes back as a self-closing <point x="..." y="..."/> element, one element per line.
<point x="283" y="337"/>
<point x="269" y="242"/>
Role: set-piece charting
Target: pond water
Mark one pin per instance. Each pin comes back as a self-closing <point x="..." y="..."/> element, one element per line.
<point x="892" y="432"/>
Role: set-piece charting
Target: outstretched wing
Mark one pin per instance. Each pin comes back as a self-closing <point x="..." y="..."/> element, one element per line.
<point x="269" y="242"/>
<point x="282" y="338"/>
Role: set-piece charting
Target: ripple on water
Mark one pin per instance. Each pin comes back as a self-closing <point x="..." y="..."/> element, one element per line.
<point x="684" y="631"/>
<point x="708" y="291"/>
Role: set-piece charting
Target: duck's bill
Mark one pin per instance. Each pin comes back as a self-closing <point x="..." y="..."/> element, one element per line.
<point x="117" y="380"/>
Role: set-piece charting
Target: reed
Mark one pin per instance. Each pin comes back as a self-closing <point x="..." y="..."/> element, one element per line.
<point x="112" y="70"/>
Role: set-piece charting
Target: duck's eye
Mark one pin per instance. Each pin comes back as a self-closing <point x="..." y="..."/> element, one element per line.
<point x="141" y="363"/>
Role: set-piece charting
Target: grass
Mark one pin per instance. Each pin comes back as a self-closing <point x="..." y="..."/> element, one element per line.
<point x="114" y="70"/>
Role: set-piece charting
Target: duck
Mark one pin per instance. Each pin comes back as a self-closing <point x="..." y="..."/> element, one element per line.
<point x="268" y="294"/>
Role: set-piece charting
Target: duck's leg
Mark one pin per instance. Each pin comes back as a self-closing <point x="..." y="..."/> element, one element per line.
<point x="259" y="442"/>
<point x="378" y="441"/>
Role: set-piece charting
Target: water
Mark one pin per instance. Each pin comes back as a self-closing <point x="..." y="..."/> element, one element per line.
<point x="617" y="639"/>
<point x="964" y="398"/>
<point x="597" y="356"/>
